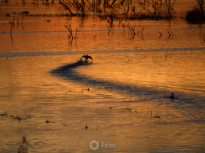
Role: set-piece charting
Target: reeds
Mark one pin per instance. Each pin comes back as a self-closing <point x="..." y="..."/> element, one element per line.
<point x="171" y="34"/>
<point x="70" y="35"/>
<point x="132" y="31"/>
<point x="12" y="25"/>
<point x="139" y="33"/>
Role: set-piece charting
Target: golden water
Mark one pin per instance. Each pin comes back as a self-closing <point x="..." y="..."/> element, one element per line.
<point x="129" y="82"/>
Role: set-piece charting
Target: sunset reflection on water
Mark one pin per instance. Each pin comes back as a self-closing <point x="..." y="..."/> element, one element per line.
<point x="52" y="102"/>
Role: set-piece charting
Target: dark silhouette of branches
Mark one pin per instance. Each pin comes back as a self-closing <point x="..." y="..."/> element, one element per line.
<point x="68" y="5"/>
<point x="157" y="5"/>
<point x="169" y="6"/>
<point x="144" y="3"/>
<point x="116" y="9"/>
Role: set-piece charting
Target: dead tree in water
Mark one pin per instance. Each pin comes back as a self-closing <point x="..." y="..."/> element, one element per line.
<point x="66" y="6"/>
<point x="169" y="7"/>
<point x="79" y="6"/>
<point x="158" y="5"/>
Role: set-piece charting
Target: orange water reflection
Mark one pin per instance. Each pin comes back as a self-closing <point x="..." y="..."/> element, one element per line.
<point x="113" y="116"/>
<point x="29" y="90"/>
<point x="174" y="71"/>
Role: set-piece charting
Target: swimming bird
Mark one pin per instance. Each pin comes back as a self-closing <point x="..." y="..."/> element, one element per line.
<point x="87" y="57"/>
<point x="172" y="96"/>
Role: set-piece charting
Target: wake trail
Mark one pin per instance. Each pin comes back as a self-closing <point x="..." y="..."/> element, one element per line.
<point x="142" y="93"/>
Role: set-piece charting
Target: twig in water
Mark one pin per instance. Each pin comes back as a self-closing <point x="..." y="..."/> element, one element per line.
<point x="142" y="33"/>
<point x="132" y="32"/>
<point x="75" y="34"/>
<point x="171" y="34"/>
<point x="160" y="34"/>
<point x="70" y="32"/>
<point x="70" y="35"/>
<point x="12" y="24"/>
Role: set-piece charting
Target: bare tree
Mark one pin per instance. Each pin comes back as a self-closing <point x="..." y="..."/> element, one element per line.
<point x="157" y="5"/>
<point x="66" y="5"/>
<point x="143" y="3"/>
<point x="169" y="6"/>
<point x="78" y="5"/>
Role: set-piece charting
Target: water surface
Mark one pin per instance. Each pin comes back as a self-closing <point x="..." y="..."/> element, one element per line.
<point x="122" y="97"/>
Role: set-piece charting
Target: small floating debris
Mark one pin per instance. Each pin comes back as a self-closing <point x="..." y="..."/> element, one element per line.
<point x="49" y="121"/>
<point x="155" y="116"/>
<point x="25" y="12"/>
<point x="126" y="110"/>
<point x="19" y="118"/>
<point x="110" y="107"/>
<point x="15" y="117"/>
<point x="88" y="89"/>
<point x="4" y="114"/>
<point x="86" y="127"/>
